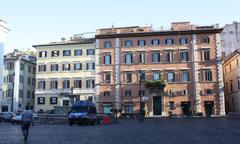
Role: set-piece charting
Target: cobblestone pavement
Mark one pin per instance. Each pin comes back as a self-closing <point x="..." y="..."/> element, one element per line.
<point x="151" y="131"/>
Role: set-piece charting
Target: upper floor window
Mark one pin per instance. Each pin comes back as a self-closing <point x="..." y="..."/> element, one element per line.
<point x="43" y="54"/>
<point x="90" y="52"/>
<point x="53" y="84"/>
<point x="206" y="40"/>
<point x="156" y="57"/>
<point x="53" y="100"/>
<point x="67" y="53"/>
<point x="169" y="56"/>
<point x="54" y="67"/>
<point x="128" y="77"/>
<point x="77" y="66"/>
<point x="128" y="43"/>
<point x="156" y="76"/>
<point x="183" y="56"/>
<point x="107" y="77"/>
<point x="208" y="75"/>
<point x="155" y="42"/>
<point x="142" y="57"/>
<point x="128" y="58"/>
<point x="41" y="68"/>
<point x="107" y="58"/>
<point x="107" y="44"/>
<point x="22" y="66"/>
<point x="206" y="54"/>
<point x="66" y="84"/>
<point x="41" y="100"/>
<point x="55" y="53"/>
<point x="237" y="62"/>
<point x="185" y="76"/>
<point x="141" y="42"/>
<point x="106" y="93"/>
<point x="41" y="84"/>
<point x="128" y="92"/>
<point x="184" y="92"/>
<point x="231" y="85"/>
<point x="10" y="78"/>
<point x="29" y="69"/>
<point x="169" y="41"/>
<point x="90" y="66"/>
<point x="171" y="105"/>
<point x="209" y="91"/>
<point x="66" y="67"/>
<point x="78" y="52"/>
<point x="171" y="77"/>
<point x="90" y="83"/>
<point x="183" y="41"/>
<point x="77" y="83"/>
<point x="142" y="76"/>
<point x="10" y="66"/>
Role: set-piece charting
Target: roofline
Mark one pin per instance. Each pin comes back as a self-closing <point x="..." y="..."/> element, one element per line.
<point x="157" y="33"/>
<point x="65" y="43"/>
<point x="229" y="57"/>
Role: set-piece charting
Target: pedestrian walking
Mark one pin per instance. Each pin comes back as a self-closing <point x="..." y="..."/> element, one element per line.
<point x="27" y="120"/>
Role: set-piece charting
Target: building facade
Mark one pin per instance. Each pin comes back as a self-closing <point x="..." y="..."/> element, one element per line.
<point x="230" y="38"/>
<point x="65" y="72"/>
<point x="3" y="31"/>
<point x="231" y="73"/>
<point x="188" y="57"/>
<point x="19" y="82"/>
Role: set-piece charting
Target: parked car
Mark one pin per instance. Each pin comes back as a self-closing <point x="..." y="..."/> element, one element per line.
<point x="17" y="118"/>
<point x="1" y="117"/>
<point x="7" y="116"/>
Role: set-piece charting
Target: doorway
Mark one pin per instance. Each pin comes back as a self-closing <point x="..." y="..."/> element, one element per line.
<point x="186" y="108"/>
<point x="157" y="105"/>
<point x="208" y="106"/>
<point x="4" y="108"/>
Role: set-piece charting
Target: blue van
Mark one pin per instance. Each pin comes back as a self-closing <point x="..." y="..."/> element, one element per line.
<point x="83" y="112"/>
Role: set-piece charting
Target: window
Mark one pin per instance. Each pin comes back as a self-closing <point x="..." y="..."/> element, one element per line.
<point x="128" y="43"/>
<point x="9" y="92"/>
<point x="141" y="92"/>
<point x="21" y="79"/>
<point x="54" y="67"/>
<point x="155" y="42"/>
<point x="55" y="53"/>
<point x="41" y="100"/>
<point x="90" y="66"/>
<point x="67" y="53"/>
<point x="33" y="81"/>
<point x="41" y="68"/>
<point x="10" y="78"/>
<point x="66" y="67"/>
<point x="183" y="41"/>
<point x="53" y="84"/>
<point x="128" y="108"/>
<point x="206" y="54"/>
<point x="43" y="54"/>
<point x="66" y="102"/>
<point x="29" y="69"/>
<point x="29" y="81"/>
<point x="77" y="66"/>
<point x="183" y="56"/>
<point x="22" y="66"/>
<point x="90" y="83"/>
<point x="185" y="76"/>
<point x="238" y="84"/>
<point x="53" y="100"/>
<point x="106" y="93"/>
<point x="170" y="92"/>
<point x="209" y="91"/>
<point x="107" y="58"/>
<point x="142" y="76"/>
<point x="208" y="75"/>
<point x="107" y="44"/>
<point x="10" y="66"/>
<point x="169" y="41"/>
<point x="77" y="83"/>
<point x="34" y="70"/>
<point x="170" y="77"/>
<point x="169" y="56"/>
<point x="156" y="57"/>
<point x="156" y="76"/>
<point x="142" y="57"/>
<point x="41" y="84"/>
<point x="141" y="43"/>
<point x="171" y="105"/>
<point x="107" y="77"/>
<point x="128" y="77"/>
<point x="28" y="94"/>
<point x="184" y="92"/>
<point x="33" y="95"/>
<point x="128" y="58"/>
<point x="90" y="52"/>
<point x="206" y="40"/>
<point x="66" y="84"/>
<point x="78" y="52"/>
<point x="231" y="85"/>
<point x="230" y="66"/>
<point x="128" y="92"/>
<point x="226" y="87"/>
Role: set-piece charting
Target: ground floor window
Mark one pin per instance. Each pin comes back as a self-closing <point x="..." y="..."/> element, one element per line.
<point x="128" y="108"/>
<point x="65" y="102"/>
<point x="4" y="108"/>
<point x="107" y="108"/>
<point x="41" y="100"/>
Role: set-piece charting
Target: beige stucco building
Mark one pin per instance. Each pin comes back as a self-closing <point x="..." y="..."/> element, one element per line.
<point x="231" y="72"/>
<point x="65" y="71"/>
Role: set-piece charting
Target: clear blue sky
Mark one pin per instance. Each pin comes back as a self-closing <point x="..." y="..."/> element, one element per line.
<point x="37" y="22"/>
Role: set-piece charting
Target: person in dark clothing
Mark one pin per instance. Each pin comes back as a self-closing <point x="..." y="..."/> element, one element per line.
<point x="27" y="120"/>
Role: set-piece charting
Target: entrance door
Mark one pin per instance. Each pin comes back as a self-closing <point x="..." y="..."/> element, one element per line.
<point x="4" y="108"/>
<point x="157" y="105"/>
<point x="186" y="108"/>
<point x="208" y="105"/>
